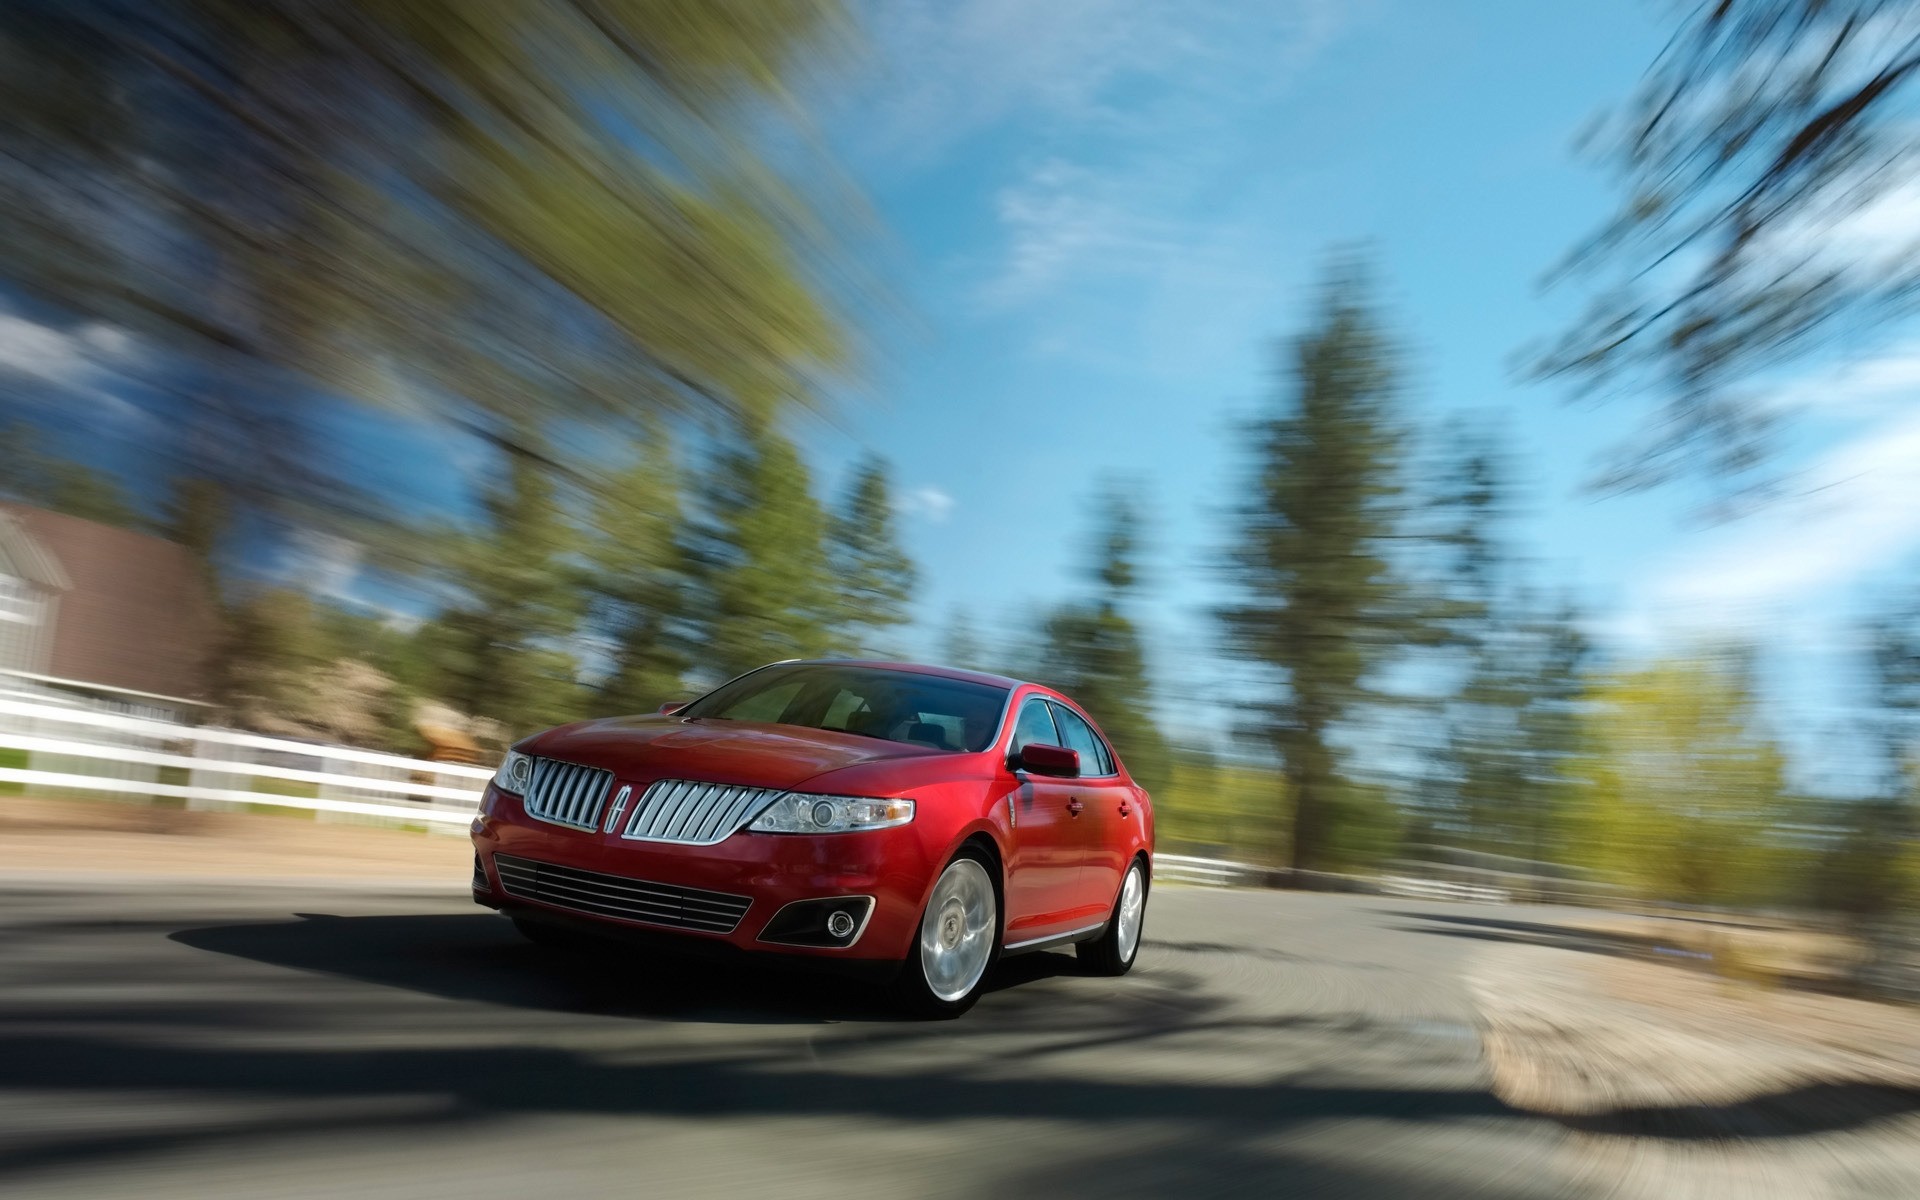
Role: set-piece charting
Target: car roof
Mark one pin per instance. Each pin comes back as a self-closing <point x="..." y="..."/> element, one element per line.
<point x="911" y="668"/>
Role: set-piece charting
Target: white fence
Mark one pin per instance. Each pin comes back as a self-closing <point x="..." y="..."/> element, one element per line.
<point x="1214" y="872"/>
<point x="78" y="749"/>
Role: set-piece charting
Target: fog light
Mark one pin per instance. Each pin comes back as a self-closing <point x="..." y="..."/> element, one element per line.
<point x="829" y="922"/>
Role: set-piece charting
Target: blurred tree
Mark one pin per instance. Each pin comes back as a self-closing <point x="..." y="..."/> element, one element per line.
<point x="1323" y="603"/>
<point x="1217" y="806"/>
<point x="81" y="491"/>
<point x="1677" y="793"/>
<point x="196" y="515"/>
<point x="761" y="560"/>
<point x="1765" y="151"/>
<point x="639" y="582"/>
<point x="874" y="576"/>
<point x="35" y="476"/>
<point x="518" y="601"/>
<point x="500" y="218"/>
<point x="1867" y="872"/>
<point x="1894" y="642"/>
<point x="1512" y="722"/>
<point x="276" y="641"/>
<point x="1093" y="653"/>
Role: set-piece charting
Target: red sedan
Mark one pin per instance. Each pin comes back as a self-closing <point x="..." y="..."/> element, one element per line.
<point x="917" y="821"/>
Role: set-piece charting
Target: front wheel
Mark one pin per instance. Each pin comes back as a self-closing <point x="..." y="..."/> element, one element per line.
<point x="946" y="970"/>
<point x="1113" y="952"/>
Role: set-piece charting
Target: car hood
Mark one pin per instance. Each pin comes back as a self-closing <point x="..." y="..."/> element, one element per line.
<point x="743" y="752"/>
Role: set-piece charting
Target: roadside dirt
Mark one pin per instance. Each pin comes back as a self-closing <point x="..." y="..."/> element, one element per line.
<point x="1677" y="1083"/>
<point x="90" y="837"/>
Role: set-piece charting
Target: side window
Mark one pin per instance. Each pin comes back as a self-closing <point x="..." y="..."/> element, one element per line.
<point x="1035" y="725"/>
<point x="1078" y="735"/>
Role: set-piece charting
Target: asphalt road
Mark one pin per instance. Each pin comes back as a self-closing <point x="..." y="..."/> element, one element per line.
<point x="254" y="1041"/>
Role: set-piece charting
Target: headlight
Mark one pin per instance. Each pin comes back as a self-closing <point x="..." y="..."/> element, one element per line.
<point x="516" y="771"/>
<point x="797" y="812"/>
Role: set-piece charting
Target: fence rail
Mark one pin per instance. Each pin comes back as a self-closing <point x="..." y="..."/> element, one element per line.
<point x="66" y="748"/>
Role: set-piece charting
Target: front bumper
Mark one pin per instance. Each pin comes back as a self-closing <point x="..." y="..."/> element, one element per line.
<point x="687" y="895"/>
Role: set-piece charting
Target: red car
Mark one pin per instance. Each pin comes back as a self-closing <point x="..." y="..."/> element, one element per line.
<point x="917" y="821"/>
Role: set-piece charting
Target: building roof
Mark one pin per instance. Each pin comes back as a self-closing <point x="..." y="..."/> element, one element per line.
<point x="137" y="612"/>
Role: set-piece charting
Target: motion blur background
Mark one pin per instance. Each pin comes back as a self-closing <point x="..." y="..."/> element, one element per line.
<point x="1419" y="475"/>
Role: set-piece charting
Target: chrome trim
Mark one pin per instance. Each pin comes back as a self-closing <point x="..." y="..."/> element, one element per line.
<point x="566" y="794"/>
<point x="872" y="905"/>
<point x="691" y="812"/>
<point x="620" y="897"/>
<point x="1052" y="938"/>
<point x="620" y="799"/>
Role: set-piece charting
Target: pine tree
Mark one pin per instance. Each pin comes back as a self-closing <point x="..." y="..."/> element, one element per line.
<point x="1323" y="605"/>
<point x="638" y="580"/>
<point x="521" y="601"/>
<point x="874" y="576"/>
<point x="1093" y="651"/>
<point x="762" y="561"/>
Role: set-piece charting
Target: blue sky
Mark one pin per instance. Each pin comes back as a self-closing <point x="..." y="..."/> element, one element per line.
<point x="1103" y="213"/>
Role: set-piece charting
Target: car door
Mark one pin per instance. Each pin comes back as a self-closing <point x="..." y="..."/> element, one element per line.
<point x="1106" y="808"/>
<point x="1045" y="892"/>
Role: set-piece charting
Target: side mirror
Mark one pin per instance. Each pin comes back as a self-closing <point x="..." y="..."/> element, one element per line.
<point x="1042" y="759"/>
<point x="673" y="706"/>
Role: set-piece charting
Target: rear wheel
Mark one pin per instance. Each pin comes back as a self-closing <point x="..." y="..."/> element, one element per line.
<point x="1113" y="952"/>
<point x="959" y="936"/>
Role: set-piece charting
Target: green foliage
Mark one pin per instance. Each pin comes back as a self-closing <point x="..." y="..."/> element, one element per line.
<point x="638" y="581"/>
<point x="30" y="473"/>
<point x="519" y="598"/>
<point x="1679" y="796"/>
<point x="765" y="589"/>
<point x="197" y="515"/>
<point x="874" y="576"/>
<point x="526" y="215"/>
<point x="1220" y="808"/>
<point x="1093" y="652"/>
<point x="1323" y="604"/>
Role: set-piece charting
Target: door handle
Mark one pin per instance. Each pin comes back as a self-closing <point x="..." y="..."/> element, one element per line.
<point x="1124" y="810"/>
<point x="1074" y="806"/>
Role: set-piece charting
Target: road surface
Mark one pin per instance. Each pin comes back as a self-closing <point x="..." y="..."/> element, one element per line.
<point x="246" y="1041"/>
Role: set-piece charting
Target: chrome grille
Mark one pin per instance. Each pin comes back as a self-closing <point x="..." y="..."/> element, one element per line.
<point x="695" y="814"/>
<point x="566" y="794"/>
<point x="598" y="894"/>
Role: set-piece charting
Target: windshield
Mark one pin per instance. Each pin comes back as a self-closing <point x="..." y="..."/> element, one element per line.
<point x="898" y="706"/>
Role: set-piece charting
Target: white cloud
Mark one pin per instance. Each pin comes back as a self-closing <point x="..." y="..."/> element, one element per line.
<point x="1865" y="387"/>
<point x="1122" y="118"/>
<point x="322" y="565"/>
<point x="928" y="502"/>
<point x="78" y="362"/>
<point x="1063" y="220"/>
<point x="951" y="68"/>
<point x="1785" y="570"/>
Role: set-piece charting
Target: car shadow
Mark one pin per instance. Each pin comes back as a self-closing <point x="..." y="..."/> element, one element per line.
<point x="479" y="957"/>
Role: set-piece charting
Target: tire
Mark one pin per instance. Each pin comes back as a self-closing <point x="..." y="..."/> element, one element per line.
<point x="1113" y="952"/>
<point x="542" y="934"/>
<point x="957" y="941"/>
